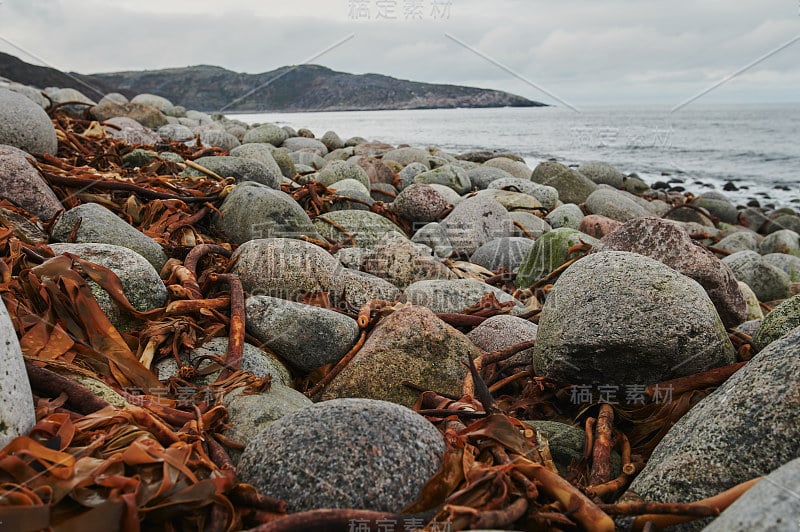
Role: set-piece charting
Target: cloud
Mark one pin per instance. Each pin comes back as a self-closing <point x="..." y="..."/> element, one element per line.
<point x="585" y="51"/>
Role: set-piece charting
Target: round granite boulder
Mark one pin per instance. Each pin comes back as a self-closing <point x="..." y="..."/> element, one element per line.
<point x="25" y="125"/>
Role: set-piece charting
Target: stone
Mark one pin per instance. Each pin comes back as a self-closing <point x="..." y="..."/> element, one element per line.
<point x="482" y="176"/>
<point x="221" y="139"/>
<point x="284" y="162"/>
<point x="332" y="141"/>
<point x="376" y="170"/>
<point x="304" y="335"/>
<point x="768" y="282"/>
<point x="771" y="505"/>
<point x="307" y="158"/>
<point x="739" y="241"/>
<point x="146" y="115"/>
<point x="32" y="93"/>
<point x="517" y="169"/>
<point x="501" y="331"/>
<point x="263" y="154"/>
<point x="747" y="427"/>
<point x="506" y="252"/>
<point x="419" y="203"/>
<point x="25" y="125"/>
<point x="603" y="174"/>
<point x="254" y="360"/>
<point x="778" y="322"/>
<point x="598" y="226"/>
<point x="303" y="144"/>
<point x="141" y="283"/>
<point x="175" y="133"/>
<point x="59" y="96"/>
<point x="567" y="215"/>
<point x="475" y="221"/>
<point x="396" y="259"/>
<point x="372" y="149"/>
<point x="253" y="210"/>
<point x="130" y="131"/>
<point x="450" y="195"/>
<point x="435" y="237"/>
<point x="345" y="453"/>
<point x="785" y="221"/>
<point x="17" y="416"/>
<point x="512" y="201"/>
<point x="481" y="156"/>
<point x="21" y="183"/>
<point x="406" y="175"/>
<point x="349" y="185"/>
<point x="667" y="327"/>
<point x="250" y="414"/>
<point x="783" y="241"/>
<point x="367" y="227"/>
<point x="754" y="311"/>
<point x="353" y="289"/>
<point x="410" y="344"/>
<point x="406" y="156"/>
<point x="239" y="168"/>
<point x="718" y="206"/>
<point x="547" y="196"/>
<point x="615" y="205"/>
<point x="566" y="444"/>
<point x="339" y="170"/>
<point x="352" y="257"/>
<point x="548" y="252"/>
<point x="154" y="100"/>
<point x="99" y="225"/>
<point x="572" y="186"/>
<point x="789" y="264"/>
<point x="666" y="242"/>
<point x="447" y="175"/>
<point x="443" y="296"/>
<point x="527" y="225"/>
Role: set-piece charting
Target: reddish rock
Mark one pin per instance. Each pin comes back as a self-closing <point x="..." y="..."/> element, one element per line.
<point x="376" y="170"/>
<point x="598" y="226"/>
<point x="667" y="242"/>
<point x="373" y="149"/>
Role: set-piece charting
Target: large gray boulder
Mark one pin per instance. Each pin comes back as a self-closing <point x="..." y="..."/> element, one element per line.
<point x="347" y="453"/>
<point x="25" y="125"/>
<point x="253" y="210"/>
<point x="621" y="318"/>
<point x="615" y="205"/>
<point x="474" y="222"/>
<point x="746" y="428"/>
<point x="96" y="224"/>
<point x="21" y="183"/>
<point x="17" y="416"/>
<point x="240" y="168"/>
<point x="506" y="252"/>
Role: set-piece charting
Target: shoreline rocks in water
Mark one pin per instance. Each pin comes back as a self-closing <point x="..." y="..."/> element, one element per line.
<point x="305" y="296"/>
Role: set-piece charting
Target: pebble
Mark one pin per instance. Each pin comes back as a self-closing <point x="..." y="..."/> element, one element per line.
<point x="145" y="115"/>
<point x="366" y="227"/>
<point x="483" y="176"/>
<point x="407" y="156"/>
<point x="778" y="322"/>
<point x="615" y="205"/>
<point x="516" y="168"/>
<point x="548" y="253"/>
<point x="420" y="203"/>
<point x="501" y="331"/>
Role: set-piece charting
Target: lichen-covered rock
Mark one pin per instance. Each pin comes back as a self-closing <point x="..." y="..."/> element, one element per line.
<point x="506" y="252"/>
<point x="572" y="186"/>
<point x="145" y="115"/>
<point x="482" y="176"/>
<point x="615" y="205"/>
<point x="366" y="227"/>
<point x="567" y="215"/>
<point x="666" y="328"/>
<point x="779" y="322"/>
<point x="528" y="225"/>
<point x="739" y="241"/>
<point x="517" y="169"/>
<point x="547" y="196"/>
<point x="410" y="344"/>
<point x="448" y="175"/>
<point x="501" y="331"/>
<point x="783" y="241"/>
<point x="768" y="282"/>
<point x="603" y="174"/>
<point x="435" y="237"/>
<point x="399" y="261"/>
<point x="548" y="253"/>
<point x="407" y="156"/>
<point x="420" y="203"/>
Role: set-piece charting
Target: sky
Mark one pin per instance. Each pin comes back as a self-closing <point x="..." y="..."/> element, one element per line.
<point x="578" y="52"/>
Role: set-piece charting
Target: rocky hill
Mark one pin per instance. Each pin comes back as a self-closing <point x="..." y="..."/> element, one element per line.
<point x="295" y="88"/>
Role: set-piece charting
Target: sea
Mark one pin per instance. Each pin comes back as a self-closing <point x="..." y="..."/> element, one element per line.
<point x="754" y="148"/>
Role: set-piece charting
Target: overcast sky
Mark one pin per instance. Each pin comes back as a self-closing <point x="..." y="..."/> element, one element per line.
<point x="582" y="51"/>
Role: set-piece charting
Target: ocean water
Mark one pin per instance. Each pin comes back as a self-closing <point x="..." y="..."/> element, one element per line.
<point x="755" y="147"/>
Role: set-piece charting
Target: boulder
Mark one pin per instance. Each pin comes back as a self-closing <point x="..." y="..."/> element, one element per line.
<point x="240" y="168"/>
<point x="21" y="183"/>
<point x="475" y="221"/>
<point x="17" y="416"/>
<point x="572" y="186"/>
<point x="25" y="125"/>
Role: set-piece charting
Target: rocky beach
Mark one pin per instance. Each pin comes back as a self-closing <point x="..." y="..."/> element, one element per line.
<point x="215" y="325"/>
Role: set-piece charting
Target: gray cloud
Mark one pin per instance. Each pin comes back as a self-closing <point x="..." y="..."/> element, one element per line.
<point x="584" y="51"/>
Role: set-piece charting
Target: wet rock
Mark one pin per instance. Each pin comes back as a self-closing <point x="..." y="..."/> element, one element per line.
<point x="572" y="186"/>
<point x="447" y="175"/>
<point x="410" y="344"/>
<point x="399" y="261"/>
<point x="239" y="168"/>
<point x="768" y="282"/>
<point x="783" y="241"/>
<point x="527" y="225"/>
<point x="567" y="215"/>
<point x="779" y="322"/>
<point x="771" y="505"/>
<point x="25" y="125"/>
<point x="667" y="327"/>
<point x="348" y="453"/>
<point x="517" y="169"/>
<point x="475" y="221"/>
<point x="420" y="203"/>
<point x="548" y="253"/>
<point x="100" y="225"/>
<point x="506" y="252"/>
<point x="667" y="243"/>
<point x="146" y="115"/>
<point x="598" y="226"/>
<point x="442" y="296"/>
<point x="140" y="281"/>
<point x="367" y="227"/>
<point x="306" y="336"/>
<point x="745" y="428"/>
<point x="21" y="183"/>
<point x="615" y="205"/>
<point x="435" y="237"/>
<point x="254" y="360"/>
<point x="17" y="416"/>
<point x="250" y="414"/>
